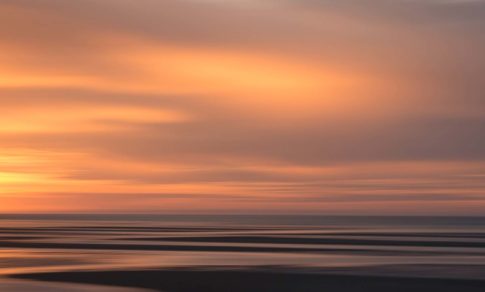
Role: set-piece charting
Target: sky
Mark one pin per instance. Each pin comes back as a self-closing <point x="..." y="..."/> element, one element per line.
<point x="371" y="107"/>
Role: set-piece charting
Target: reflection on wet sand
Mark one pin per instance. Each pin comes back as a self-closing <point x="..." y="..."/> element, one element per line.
<point x="36" y="286"/>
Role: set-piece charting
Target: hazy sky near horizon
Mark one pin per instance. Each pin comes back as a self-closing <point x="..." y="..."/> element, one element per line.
<point x="242" y="106"/>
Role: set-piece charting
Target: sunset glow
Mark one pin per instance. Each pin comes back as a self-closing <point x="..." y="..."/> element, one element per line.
<point x="202" y="106"/>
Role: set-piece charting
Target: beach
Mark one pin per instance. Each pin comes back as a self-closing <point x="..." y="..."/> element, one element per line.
<point x="241" y="253"/>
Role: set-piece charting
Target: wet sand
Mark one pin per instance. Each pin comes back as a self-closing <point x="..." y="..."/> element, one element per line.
<point x="263" y="281"/>
<point x="227" y="248"/>
<point x="327" y="240"/>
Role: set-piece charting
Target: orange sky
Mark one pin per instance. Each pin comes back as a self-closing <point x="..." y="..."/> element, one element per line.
<point x="243" y="106"/>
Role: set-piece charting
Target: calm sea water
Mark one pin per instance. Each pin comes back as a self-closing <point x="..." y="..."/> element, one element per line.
<point x="403" y="246"/>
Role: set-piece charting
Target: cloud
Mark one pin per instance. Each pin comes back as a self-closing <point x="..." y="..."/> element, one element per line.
<point x="299" y="102"/>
